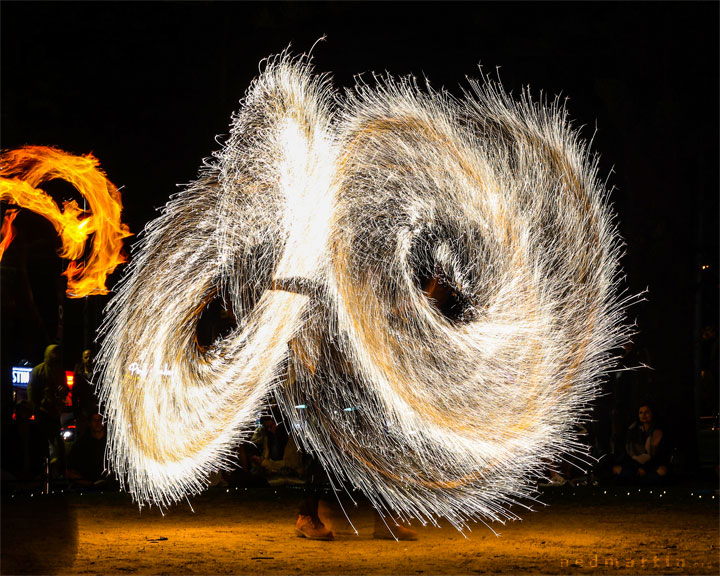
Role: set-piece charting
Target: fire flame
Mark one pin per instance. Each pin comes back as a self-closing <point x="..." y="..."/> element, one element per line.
<point x="7" y="232"/>
<point x="23" y="170"/>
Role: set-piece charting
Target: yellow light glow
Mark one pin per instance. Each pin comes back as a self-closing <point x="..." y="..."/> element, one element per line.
<point x="24" y="170"/>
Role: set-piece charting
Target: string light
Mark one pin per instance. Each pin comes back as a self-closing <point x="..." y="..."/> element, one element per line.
<point x="447" y="267"/>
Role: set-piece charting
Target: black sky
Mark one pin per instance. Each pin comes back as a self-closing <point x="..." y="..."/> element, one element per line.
<point x="147" y="86"/>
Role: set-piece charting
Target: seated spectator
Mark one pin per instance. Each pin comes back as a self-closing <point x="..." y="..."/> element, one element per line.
<point x="240" y="475"/>
<point x="86" y="464"/>
<point x="277" y="451"/>
<point x="644" y="459"/>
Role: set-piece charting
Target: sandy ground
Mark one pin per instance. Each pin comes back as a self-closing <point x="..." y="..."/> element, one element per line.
<point x="581" y="531"/>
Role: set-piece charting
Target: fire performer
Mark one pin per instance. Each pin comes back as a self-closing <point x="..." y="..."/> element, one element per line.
<point x="463" y="259"/>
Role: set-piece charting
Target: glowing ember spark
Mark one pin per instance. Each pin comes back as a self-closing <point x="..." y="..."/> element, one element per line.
<point x="7" y="233"/>
<point x="22" y="171"/>
<point x="441" y="275"/>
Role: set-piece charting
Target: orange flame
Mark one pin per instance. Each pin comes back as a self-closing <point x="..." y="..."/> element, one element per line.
<point x="24" y="169"/>
<point x="7" y="232"/>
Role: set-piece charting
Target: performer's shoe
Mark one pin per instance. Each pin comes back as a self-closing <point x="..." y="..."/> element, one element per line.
<point x="312" y="528"/>
<point x="399" y="532"/>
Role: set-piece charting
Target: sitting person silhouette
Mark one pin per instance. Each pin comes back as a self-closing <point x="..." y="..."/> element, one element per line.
<point x="277" y="451"/>
<point x="644" y="459"/>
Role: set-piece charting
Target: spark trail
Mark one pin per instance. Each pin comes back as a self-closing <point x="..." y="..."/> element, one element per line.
<point x="445" y="268"/>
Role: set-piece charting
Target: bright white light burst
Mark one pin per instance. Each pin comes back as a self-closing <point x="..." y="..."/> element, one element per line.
<point x="446" y="267"/>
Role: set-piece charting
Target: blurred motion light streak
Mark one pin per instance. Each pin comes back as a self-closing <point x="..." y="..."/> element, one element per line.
<point x="446" y="267"/>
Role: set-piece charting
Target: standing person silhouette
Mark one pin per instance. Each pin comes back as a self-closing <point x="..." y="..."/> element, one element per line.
<point x="47" y="392"/>
<point x="84" y="400"/>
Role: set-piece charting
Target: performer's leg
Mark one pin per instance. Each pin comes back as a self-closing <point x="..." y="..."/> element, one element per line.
<point x="308" y="523"/>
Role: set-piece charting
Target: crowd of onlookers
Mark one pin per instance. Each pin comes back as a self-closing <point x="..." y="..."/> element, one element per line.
<point x="34" y="442"/>
<point x="41" y="445"/>
<point x="34" y="449"/>
<point x="57" y="437"/>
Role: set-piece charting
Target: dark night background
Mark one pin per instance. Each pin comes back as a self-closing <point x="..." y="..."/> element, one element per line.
<point x="147" y="86"/>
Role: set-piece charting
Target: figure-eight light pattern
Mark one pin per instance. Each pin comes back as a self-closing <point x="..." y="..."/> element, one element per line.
<point x="434" y="278"/>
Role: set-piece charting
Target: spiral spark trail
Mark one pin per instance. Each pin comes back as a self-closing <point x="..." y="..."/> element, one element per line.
<point x="434" y="278"/>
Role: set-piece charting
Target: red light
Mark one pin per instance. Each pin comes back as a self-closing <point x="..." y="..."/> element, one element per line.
<point x="70" y="380"/>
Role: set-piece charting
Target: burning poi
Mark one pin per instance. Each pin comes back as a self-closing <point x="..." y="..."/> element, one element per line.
<point x="23" y="171"/>
<point x="445" y="268"/>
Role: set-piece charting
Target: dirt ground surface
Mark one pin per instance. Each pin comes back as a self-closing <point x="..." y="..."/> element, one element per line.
<point x="581" y="531"/>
